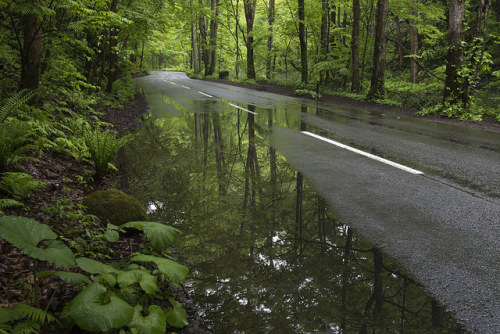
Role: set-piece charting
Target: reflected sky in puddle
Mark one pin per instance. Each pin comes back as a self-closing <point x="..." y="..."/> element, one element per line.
<point x="266" y="254"/>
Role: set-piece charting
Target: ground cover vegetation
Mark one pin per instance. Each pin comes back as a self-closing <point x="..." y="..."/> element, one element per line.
<point x="65" y="69"/>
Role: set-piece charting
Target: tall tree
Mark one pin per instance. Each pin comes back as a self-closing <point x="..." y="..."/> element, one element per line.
<point x="194" y="44"/>
<point x="413" y="47"/>
<point x="377" y="89"/>
<point x="456" y="15"/>
<point x="31" y="51"/>
<point x="303" y="41"/>
<point x="356" y="15"/>
<point x="270" y="21"/>
<point x="250" y="6"/>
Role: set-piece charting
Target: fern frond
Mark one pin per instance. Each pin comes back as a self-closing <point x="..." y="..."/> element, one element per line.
<point x="20" y="98"/>
<point x="6" y="203"/>
<point x="32" y="313"/>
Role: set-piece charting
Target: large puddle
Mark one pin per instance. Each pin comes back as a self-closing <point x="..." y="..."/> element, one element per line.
<point x="266" y="254"/>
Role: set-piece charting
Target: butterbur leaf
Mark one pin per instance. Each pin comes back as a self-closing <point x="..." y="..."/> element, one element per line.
<point x="111" y="233"/>
<point x="74" y="279"/>
<point x="154" y="323"/>
<point x="146" y="281"/>
<point x="26" y="234"/>
<point x="107" y="272"/>
<point x="92" y="312"/>
<point x="176" y="316"/>
<point x="158" y="234"/>
<point x="172" y="270"/>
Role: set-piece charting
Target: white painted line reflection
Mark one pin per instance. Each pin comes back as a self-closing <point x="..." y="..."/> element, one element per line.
<point x="185" y="87"/>
<point x="234" y="105"/>
<point x="368" y="155"/>
<point x="173" y="83"/>
<point x="205" y="94"/>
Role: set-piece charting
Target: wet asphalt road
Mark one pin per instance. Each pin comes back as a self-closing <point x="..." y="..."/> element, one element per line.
<point x="442" y="225"/>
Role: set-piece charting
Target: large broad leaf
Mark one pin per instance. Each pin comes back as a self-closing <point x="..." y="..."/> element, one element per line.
<point x="96" y="309"/>
<point x="154" y="323"/>
<point x="175" y="272"/>
<point x="158" y="234"/>
<point x="146" y="281"/>
<point x="71" y="278"/>
<point x="176" y="316"/>
<point x="26" y="234"/>
<point x="107" y="272"/>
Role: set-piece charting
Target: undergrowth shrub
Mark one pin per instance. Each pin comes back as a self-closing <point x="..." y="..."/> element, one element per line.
<point x="19" y="185"/>
<point x="103" y="147"/>
<point x="416" y="96"/>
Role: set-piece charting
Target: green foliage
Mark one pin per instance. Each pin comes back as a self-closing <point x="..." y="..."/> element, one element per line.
<point x="176" y="316"/>
<point x="154" y="322"/>
<point x="411" y="95"/>
<point x="103" y="147"/>
<point x="28" y="234"/>
<point x="97" y="309"/>
<point x="308" y="93"/>
<point x="159" y="235"/>
<point x="23" y="318"/>
<point x="14" y="137"/>
<point x="19" y="185"/>
<point x="6" y="203"/>
<point x="472" y="111"/>
<point x="20" y="98"/>
<point x="114" y="206"/>
<point x="173" y="271"/>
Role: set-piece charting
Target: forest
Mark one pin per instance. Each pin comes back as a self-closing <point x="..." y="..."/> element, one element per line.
<point x="66" y="65"/>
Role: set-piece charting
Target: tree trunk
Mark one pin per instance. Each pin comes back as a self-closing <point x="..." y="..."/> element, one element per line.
<point x="377" y="89"/>
<point x="413" y="48"/>
<point x="270" y="20"/>
<point x="399" y="44"/>
<point x="212" y="43"/>
<point x="303" y="42"/>
<point x="113" y="56"/>
<point x="250" y="16"/>
<point x="194" y="46"/>
<point x="32" y="51"/>
<point x="456" y="15"/>
<point x="356" y="14"/>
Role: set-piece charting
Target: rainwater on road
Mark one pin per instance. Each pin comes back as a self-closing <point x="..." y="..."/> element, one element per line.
<point x="298" y="217"/>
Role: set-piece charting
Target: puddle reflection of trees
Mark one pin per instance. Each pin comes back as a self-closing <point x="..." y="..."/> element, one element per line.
<point x="266" y="253"/>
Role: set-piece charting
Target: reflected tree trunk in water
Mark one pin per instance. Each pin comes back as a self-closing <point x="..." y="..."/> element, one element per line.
<point x="219" y="152"/>
<point x="274" y="189"/>
<point x="299" y="198"/>
<point x="378" y="265"/>
<point x="252" y="174"/>
<point x="197" y="149"/>
<point x="437" y="314"/>
<point x="345" y="277"/>
<point x="205" y="125"/>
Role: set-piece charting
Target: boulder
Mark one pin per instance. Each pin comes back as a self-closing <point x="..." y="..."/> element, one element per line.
<point x="114" y="206"/>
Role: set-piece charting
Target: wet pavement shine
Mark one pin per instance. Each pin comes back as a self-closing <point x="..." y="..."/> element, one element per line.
<point x="299" y="217"/>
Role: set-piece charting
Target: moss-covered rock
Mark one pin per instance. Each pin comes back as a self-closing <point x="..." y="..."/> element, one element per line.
<point x="114" y="206"/>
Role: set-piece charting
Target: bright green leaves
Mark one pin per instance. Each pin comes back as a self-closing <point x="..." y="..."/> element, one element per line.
<point x="158" y="234"/>
<point x="96" y="309"/>
<point x="146" y="281"/>
<point x="26" y="234"/>
<point x="154" y="323"/>
<point x="107" y="272"/>
<point x="176" y="316"/>
<point x="172" y="270"/>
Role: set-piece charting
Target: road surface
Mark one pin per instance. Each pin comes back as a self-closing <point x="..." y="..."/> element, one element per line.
<point x="426" y="193"/>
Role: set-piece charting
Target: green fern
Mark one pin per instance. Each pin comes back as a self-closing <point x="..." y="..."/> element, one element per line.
<point x="19" y="185"/>
<point x="20" y="98"/>
<point x="14" y="137"/>
<point x="6" y="203"/>
<point x="103" y="147"/>
<point x="23" y="318"/>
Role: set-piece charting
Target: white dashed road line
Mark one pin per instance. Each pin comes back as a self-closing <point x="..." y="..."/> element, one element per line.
<point x="234" y="105"/>
<point x="368" y="155"/>
<point x="173" y="83"/>
<point x="205" y="94"/>
<point x="185" y="87"/>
